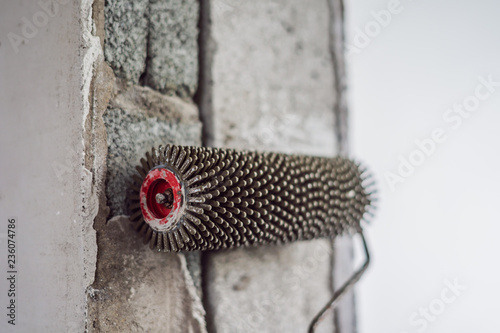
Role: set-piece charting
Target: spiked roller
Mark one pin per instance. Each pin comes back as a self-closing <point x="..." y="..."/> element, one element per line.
<point x="197" y="198"/>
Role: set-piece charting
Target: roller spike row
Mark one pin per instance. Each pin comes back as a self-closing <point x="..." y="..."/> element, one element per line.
<point x="199" y="198"/>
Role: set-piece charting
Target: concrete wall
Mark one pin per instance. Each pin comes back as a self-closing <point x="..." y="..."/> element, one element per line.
<point x="86" y="94"/>
<point x="47" y="55"/>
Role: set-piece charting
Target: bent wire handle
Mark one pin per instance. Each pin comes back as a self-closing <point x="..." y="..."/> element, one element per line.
<point x="338" y="294"/>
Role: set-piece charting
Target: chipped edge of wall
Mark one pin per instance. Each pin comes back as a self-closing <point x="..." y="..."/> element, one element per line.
<point x="342" y="263"/>
<point x="96" y="76"/>
<point x="337" y="40"/>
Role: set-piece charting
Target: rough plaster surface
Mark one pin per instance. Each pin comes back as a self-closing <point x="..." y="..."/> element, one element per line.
<point x="96" y="88"/>
<point x="155" y="42"/>
<point x="268" y="83"/>
<point x="138" y="290"/>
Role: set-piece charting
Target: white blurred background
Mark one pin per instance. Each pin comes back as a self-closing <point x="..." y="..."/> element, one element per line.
<point x="439" y="224"/>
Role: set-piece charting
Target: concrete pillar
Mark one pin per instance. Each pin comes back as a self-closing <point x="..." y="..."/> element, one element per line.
<point x="268" y="83"/>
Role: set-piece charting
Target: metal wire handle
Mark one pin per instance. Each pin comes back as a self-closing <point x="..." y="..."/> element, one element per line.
<point x="337" y="295"/>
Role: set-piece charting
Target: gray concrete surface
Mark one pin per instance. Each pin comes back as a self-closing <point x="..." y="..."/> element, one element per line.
<point x="172" y="64"/>
<point x="268" y="84"/>
<point x="46" y="68"/>
<point x="138" y="290"/>
<point x="126" y="30"/>
<point x="154" y="42"/>
<point x="272" y="73"/>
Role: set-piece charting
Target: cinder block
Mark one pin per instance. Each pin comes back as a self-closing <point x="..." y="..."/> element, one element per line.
<point x="172" y="65"/>
<point x="126" y="31"/>
<point x="154" y="42"/>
